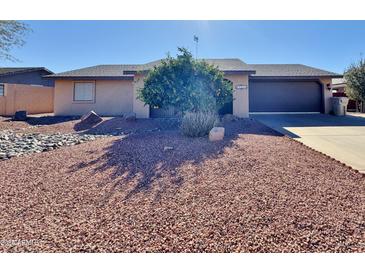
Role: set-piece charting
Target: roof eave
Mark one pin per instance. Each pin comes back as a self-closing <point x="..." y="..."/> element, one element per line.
<point x="238" y="71"/>
<point x="133" y="72"/>
<point x="126" y="77"/>
<point x="27" y="70"/>
<point x="342" y="85"/>
<point x="295" y="77"/>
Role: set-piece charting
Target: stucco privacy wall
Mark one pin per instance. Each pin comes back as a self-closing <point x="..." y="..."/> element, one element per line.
<point x="327" y="94"/>
<point x="112" y="98"/>
<point x="33" y="99"/>
<point x="3" y="104"/>
<point x="240" y="94"/>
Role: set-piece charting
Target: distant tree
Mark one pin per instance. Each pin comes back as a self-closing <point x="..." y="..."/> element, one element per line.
<point x="355" y="82"/>
<point x="11" y="35"/>
<point x="186" y="84"/>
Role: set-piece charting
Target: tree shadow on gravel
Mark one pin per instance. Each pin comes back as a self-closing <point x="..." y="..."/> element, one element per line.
<point x="50" y="120"/>
<point x="138" y="161"/>
<point x="119" y="126"/>
<point x="45" y="120"/>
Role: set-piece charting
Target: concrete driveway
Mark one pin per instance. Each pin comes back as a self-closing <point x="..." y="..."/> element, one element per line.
<point x="342" y="138"/>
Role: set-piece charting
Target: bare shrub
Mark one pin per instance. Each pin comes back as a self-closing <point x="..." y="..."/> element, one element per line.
<point x="197" y="124"/>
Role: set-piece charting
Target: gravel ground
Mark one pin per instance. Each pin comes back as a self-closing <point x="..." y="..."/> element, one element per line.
<point x="16" y="144"/>
<point x="256" y="191"/>
<point x="7" y="124"/>
<point x="110" y="125"/>
<point x="42" y="124"/>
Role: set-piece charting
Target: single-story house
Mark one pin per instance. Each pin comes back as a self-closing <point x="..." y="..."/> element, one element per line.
<point x="26" y="76"/>
<point x="258" y="88"/>
<point x="339" y="85"/>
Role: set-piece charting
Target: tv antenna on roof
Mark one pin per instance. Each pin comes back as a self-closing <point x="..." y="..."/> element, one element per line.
<point x="196" y="40"/>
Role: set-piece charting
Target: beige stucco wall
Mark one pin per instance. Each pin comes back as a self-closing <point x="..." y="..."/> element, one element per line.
<point x="112" y="98"/>
<point x="240" y="96"/>
<point x="33" y="99"/>
<point x="3" y="104"/>
<point x="327" y="94"/>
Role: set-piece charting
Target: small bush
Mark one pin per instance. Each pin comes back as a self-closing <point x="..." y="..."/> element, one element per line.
<point x="197" y="124"/>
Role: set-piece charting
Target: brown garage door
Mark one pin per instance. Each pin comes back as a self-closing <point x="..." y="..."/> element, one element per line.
<point x="285" y="96"/>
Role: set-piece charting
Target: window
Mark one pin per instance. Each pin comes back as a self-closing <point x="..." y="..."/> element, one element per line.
<point x="84" y="91"/>
<point x="2" y="93"/>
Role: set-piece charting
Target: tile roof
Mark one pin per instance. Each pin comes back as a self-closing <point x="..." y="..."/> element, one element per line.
<point x="224" y="64"/>
<point x="289" y="70"/>
<point x="339" y="81"/>
<point x="229" y="64"/>
<point x="127" y="70"/>
<point x="97" y="71"/>
<point x="13" y="70"/>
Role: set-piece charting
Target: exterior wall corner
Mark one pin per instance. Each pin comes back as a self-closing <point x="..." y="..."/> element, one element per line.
<point x="240" y="95"/>
<point x="327" y="94"/>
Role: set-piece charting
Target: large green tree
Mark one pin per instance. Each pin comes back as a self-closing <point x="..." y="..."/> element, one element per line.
<point x="355" y="81"/>
<point x="11" y="35"/>
<point x="186" y="84"/>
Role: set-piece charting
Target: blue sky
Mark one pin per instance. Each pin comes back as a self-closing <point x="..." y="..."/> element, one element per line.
<point x="66" y="45"/>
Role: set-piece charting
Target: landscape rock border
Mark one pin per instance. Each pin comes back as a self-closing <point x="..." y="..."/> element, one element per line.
<point x="14" y="144"/>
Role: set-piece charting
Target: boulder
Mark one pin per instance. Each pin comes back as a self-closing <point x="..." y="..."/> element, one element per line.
<point x="216" y="134"/>
<point x="130" y="117"/>
<point x="20" y="115"/>
<point x="91" y="118"/>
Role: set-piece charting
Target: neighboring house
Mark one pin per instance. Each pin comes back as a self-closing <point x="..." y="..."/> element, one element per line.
<point x="26" y="76"/>
<point x="112" y="89"/>
<point x="339" y="85"/>
<point x="339" y="90"/>
<point x="25" y="89"/>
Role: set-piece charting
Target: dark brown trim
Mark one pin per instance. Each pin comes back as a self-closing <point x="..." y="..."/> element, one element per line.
<point x="130" y="72"/>
<point x="293" y="77"/>
<point x="254" y="79"/>
<point x="230" y="72"/>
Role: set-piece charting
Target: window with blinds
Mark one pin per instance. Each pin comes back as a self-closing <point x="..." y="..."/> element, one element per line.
<point x="2" y="90"/>
<point x="84" y="91"/>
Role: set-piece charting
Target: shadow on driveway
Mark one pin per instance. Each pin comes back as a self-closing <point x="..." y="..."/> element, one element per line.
<point x="283" y="122"/>
<point x="342" y="138"/>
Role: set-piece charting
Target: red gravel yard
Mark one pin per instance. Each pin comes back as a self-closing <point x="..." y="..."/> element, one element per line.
<point x="255" y="191"/>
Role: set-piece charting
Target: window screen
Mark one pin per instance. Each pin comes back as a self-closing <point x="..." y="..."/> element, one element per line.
<point x="84" y="92"/>
<point x="2" y="90"/>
